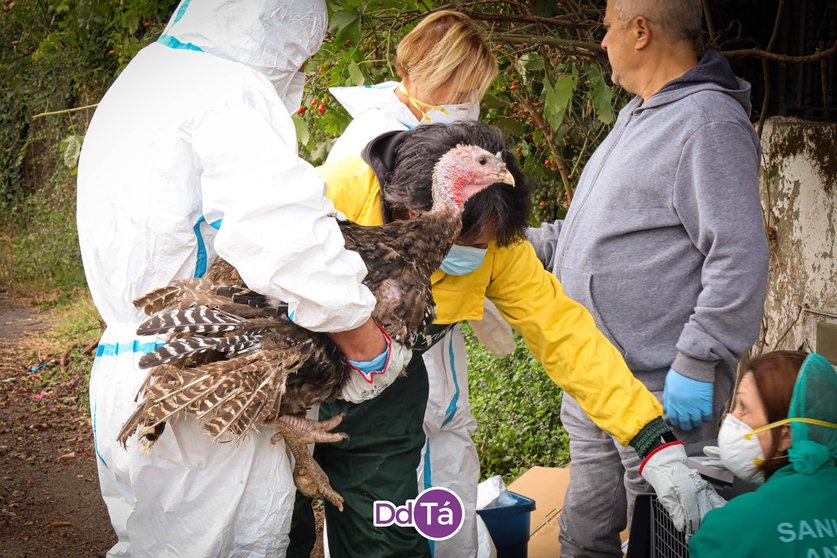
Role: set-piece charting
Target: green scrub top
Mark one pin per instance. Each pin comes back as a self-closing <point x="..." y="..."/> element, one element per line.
<point x="792" y="514"/>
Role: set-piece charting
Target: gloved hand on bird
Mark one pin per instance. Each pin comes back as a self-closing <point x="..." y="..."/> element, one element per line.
<point x="685" y="495"/>
<point x="687" y="402"/>
<point x="371" y="377"/>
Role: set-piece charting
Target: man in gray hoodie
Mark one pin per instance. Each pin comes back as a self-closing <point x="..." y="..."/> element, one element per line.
<point x="664" y="245"/>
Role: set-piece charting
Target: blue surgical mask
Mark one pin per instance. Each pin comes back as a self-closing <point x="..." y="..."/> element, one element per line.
<point x="462" y="260"/>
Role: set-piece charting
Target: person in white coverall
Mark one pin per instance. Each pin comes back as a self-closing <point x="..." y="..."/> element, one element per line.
<point x="445" y="67"/>
<point x="192" y="154"/>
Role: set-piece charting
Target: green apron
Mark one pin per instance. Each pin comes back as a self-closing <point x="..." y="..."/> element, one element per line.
<point x="377" y="462"/>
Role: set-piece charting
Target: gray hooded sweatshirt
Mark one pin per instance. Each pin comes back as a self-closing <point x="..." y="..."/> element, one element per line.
<point x="664" y="242"/>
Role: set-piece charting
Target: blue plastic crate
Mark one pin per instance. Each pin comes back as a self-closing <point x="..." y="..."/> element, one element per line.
<point x="509" y="526"/>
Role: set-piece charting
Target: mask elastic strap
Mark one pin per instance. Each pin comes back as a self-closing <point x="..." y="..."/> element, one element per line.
<point x="416" y="102"/>
<point x="806" y="420"/>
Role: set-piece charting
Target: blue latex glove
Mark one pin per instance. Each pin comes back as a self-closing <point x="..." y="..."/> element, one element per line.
<point x="687" y="402"/>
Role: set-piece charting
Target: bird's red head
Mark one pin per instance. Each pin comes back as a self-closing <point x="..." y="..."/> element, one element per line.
<point x="465" y="171"/>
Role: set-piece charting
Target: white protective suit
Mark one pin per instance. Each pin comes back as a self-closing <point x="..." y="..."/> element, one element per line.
<point x="192" y="153"/>
<point x="449" y="457"/>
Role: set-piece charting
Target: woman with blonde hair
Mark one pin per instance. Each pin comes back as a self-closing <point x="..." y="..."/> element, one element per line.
<point x="445" y="66"/>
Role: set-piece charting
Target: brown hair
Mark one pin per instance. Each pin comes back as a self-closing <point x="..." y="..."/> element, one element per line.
<point x="775" y="375"/>
<point x="447" y="48"/>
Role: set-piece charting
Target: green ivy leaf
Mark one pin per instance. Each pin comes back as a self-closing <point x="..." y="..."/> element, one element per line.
<point x="71" y="148"/>
<point x="356" y="76"/>
<point x="528" y="63"/>
<point x="302" y="134"/>
<point x="510" y="126"/>
<point x="557" y="98"/>
<point x="601" y="94"/>
<point x="345" y="25"/>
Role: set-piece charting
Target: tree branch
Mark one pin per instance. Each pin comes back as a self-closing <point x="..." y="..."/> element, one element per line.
<point x="65" y="111"/>
<point x="759" y="53"/>
<point x="709" y="25"/>
<point x="531" y="19"/>
<point x="765" y="67"/>
<point x="579" y="47"/>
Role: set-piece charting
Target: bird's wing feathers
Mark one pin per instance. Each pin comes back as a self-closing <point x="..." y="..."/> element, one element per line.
<point x="230" y="352"/>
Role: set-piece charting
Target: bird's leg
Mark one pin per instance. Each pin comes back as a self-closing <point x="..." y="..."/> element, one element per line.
<point x="309" y="477"/>
<point x="307" y="431"/>
<point x="298" y="432"/>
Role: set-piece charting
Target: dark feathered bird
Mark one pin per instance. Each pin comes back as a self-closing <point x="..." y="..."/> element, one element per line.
<point x="235" y="361"/>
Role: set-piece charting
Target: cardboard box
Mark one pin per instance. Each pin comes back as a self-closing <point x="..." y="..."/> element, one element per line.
<point x="547" y="486"/>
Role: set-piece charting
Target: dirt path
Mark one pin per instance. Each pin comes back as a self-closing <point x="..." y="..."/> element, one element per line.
<point x="50" y="506"/>
<point x="49" y="495"/>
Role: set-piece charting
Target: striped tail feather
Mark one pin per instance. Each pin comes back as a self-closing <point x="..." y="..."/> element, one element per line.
<point x="228" y="397"/>
<point x="179" y="349"/>
<point x="200" y="319"/>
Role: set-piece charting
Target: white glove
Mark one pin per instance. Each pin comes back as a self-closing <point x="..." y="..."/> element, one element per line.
<point x="493" y="331"/>
<point x="369" y="379"/>
<point x="681" y="490"/>
<point x="713" y="457"/>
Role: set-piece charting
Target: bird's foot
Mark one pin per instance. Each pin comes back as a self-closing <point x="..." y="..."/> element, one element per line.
<point x="304" y="431"/>
<point x="298" y="432"/>
<point x="310" y="478"/>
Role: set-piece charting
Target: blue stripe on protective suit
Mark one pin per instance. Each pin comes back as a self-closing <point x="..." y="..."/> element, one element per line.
<point x="113" y="349"/>
<point x="135" y="346"/>
<point x="200" y="264"/>
<point x="450" y="412"/>
<point x="95" y="444"/>
<point x="181" y="11"/>
<point x="173" y="42"/>
<point x="428" y="481"/>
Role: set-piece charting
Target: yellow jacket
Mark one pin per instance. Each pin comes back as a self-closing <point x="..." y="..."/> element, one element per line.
<point x="560" y="332"/>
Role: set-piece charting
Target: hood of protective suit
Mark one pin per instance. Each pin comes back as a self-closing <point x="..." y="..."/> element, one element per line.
<point x="274" y="37"/>
<point x="814" y="443"/>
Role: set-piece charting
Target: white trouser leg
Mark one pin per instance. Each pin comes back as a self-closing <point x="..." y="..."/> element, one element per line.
<point x="188" y="496"/>
<point x="449" y="457"/>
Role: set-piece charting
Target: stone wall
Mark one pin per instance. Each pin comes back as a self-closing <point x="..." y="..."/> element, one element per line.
<point x="799" y="195"/>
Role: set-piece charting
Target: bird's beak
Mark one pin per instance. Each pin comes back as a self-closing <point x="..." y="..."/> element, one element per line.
<point x="506" y="177"/>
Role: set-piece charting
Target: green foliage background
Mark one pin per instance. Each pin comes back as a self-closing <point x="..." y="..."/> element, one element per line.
<point x="552" y="100"/>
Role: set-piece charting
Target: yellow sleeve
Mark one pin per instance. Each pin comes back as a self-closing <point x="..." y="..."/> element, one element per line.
<point x="563" y="336"/>
<point x="353" y="189"/>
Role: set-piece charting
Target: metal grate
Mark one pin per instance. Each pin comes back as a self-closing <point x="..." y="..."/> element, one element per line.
<point x="666" y="541"/>
<point x="807" y="90"/>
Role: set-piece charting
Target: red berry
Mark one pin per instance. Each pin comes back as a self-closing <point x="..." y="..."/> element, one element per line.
<point x="300" y="110"/>
<point x="348" y="42"/>
<point x="111" y="52"/>
<point x="147" y="24"/>
<point x="15" y="43"/>
<point x="542" y="204"/>
<point x="499" y="47"/>
<point x="547" y="162"/>
<point x="315" y="102"/>
<point x="513" y="88"/>
<point x="321" y="109"/>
